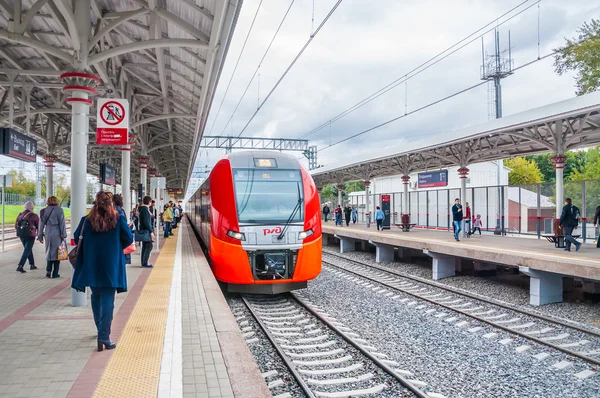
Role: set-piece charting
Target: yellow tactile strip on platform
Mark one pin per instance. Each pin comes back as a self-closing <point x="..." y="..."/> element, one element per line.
<point x="134" y="368"/>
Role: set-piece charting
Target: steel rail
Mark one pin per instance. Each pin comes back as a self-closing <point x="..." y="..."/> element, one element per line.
<point x="480" y="319"/>
<point x="473" y="296"/>
<point x="366" y="353"/>
<point x="291" y="367"/>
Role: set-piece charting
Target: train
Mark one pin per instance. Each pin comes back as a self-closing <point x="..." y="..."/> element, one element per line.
<point x="258" y="217"/>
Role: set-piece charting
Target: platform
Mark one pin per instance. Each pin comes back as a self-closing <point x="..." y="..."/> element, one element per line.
<point x="174" y="331"/>
<point x="535" y="257"/>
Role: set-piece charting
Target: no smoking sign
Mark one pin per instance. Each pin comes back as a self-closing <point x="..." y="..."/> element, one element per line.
<point x="112" y="121"/>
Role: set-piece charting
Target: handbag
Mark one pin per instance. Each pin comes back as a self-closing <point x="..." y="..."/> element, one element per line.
<point x="62" y="252"/>
<point x="142" y="236"/>
<point x="129" y="249"/>
<point x="74" y="253"/>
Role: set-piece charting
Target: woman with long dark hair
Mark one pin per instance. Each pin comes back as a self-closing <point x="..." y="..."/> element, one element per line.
<point x="101" y="262"/>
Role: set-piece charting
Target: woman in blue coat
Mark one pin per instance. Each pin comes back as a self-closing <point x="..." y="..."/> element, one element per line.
<point x="101" y="262"/>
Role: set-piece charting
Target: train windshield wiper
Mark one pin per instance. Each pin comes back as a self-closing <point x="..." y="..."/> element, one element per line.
<point x="291" y="217"/>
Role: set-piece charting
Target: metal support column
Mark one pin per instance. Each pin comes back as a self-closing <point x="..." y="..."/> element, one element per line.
<point x="583" y="212"/>
<point x="463" y="173"/>
<point x="539" y="211"/>
<point x="340" y="187"/>
<point x="49" y="162"/>
<point x="367" y="212"/>
<point x="126" y="179"/>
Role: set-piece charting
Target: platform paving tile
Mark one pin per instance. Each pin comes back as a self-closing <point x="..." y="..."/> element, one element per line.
<point x="45" y="341"/>
<point x="204" y="372"/>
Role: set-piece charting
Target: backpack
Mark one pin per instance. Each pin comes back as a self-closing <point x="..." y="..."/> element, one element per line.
<point x="575" y="216"/>
<point x="23" y="228"/>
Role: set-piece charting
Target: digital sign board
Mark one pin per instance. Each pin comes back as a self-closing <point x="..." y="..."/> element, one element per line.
<point x="17" y="146"/>
<point x="108" y="174"/>
<point x="432" y="179"/>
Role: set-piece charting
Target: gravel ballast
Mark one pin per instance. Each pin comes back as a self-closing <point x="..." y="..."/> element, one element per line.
<point x="452" y="360"/>
<point x="512" y="289"/>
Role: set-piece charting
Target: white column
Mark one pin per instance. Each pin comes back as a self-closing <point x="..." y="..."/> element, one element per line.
<point x="463" y="173"/>
<point x="405" y="182"/>
<point x="126" y="178"/>
<point x="559" y="161"/>
<point x="144" y="178"/>
<point x="49" y="161"/>
<point x="79" y="141"/>
<point x="367" y="212"/>
<point x="340" y="187"/>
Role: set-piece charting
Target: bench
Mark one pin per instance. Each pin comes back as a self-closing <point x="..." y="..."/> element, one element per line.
<point x="405" y="227"/>
<point x="558" y="240"/>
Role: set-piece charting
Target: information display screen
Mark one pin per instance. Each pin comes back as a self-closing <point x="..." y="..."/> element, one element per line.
<point x="17" y="145"/>
<point x="108" y="174"/>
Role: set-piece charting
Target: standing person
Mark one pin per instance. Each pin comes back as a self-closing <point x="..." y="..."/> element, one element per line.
<point x="152" y="209"/>
<point x="176" y="214"/>
<point x="27" y="225"/>
<point x="52" y="230"/>
<point x="457" y="218"/>
<point x="117" y="200"/>
<point x="467" y="219"/>
<point x="146" y="225"/>
<point x="569" y="220"/>
<point x="326" y="212"/>
<point x="135" y="217"/>
<point x="168" y="219"/>
<point x="338" y="215"/>
<point x="347" y="214"/>
<point x="379" y="217"/>
<point x="354" y="214"/>
<point x="476" y="225"/>
<point x="101" y="262"/>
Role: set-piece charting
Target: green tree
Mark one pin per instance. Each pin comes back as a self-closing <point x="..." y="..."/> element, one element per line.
<point x="523" y="171"/>
<point x="21" y="185"/>
<point x="575" y="160"/>
<point x="582" y="55"/>
<point x="63" y="190"/>
<point x="590" y="168"/>
<point x="355" y="186"/>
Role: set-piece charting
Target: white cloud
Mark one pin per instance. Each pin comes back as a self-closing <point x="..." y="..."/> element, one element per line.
<point x="366" y="45"/>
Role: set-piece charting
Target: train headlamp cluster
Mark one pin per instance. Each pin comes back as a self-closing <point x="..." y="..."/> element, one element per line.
<point x="305" y="234"/>
<point x="236" y="235"/>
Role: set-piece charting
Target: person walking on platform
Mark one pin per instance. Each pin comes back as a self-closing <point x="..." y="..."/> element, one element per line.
<point x="101" y="262"/>
<point x="168" y="219"/>
<point x="53" y="232"/>
<point x="354" y="214"/>
<point x="457" y="217"/>
<point x="27" y="225"/>
<point x="338" y="216"/>
<point x="326" y="212"/>
<point x="347" y="214"/>
<point x="379" y="217"/>
<point x="118" y="203"/>
<point x="467" y="219"/>
<point x="146" y="225"/>
<point x="569" y="220"/>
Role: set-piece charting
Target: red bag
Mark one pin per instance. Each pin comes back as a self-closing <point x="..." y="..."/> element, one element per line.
<point x="129" y="249"/>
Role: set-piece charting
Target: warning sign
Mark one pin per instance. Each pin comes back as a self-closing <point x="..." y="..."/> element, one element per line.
<point x="112" y="121"/>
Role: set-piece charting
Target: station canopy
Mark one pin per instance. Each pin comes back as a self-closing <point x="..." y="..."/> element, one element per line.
<point x="562" y="126"/>
<point x="165" y="56"/>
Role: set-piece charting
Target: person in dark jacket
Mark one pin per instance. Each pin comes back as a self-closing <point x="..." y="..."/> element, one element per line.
<point x="326" y="212"/>
<point x="146" y="225"/>
<point x="28" y="241"/>
<point x="569" y="220"/>
<point x="101" y="262"/>
<point x="347" y="214"/>
<point x="52" y="231"/>
<point x="117" y="200"/>
<point x="457" y="217"/>
<point x="596" y="222"/>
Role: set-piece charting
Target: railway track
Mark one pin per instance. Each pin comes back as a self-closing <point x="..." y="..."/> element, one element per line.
<point x="14" y="237"/>
<point x="573" y="340"/>
<point x="325" y="357"/>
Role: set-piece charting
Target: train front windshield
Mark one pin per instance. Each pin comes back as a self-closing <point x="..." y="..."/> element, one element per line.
<point x="268" y="196"/>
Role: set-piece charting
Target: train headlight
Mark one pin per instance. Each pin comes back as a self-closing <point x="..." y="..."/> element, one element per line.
<point x="236" y="235"/>
<point x="305" y="234"/>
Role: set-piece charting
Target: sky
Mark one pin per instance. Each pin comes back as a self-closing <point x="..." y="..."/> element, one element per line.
<point x="365" y="46"/>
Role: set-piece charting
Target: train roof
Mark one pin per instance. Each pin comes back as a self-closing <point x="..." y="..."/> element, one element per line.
<point x="246" y="159"/>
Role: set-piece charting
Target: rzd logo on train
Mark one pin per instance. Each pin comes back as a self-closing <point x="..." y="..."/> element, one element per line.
<point x="268" y="231"/>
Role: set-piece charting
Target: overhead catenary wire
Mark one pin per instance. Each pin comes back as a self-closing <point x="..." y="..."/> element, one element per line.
<point x="290" y="66"/>
<point x="258" y="67"/>
<point x="426" y="65"/>
<point x="428" y="105"/>
<point x="235" y="67"/>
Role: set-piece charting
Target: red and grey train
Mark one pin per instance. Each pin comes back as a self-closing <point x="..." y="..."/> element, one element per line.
<point x="258" y="215"/>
